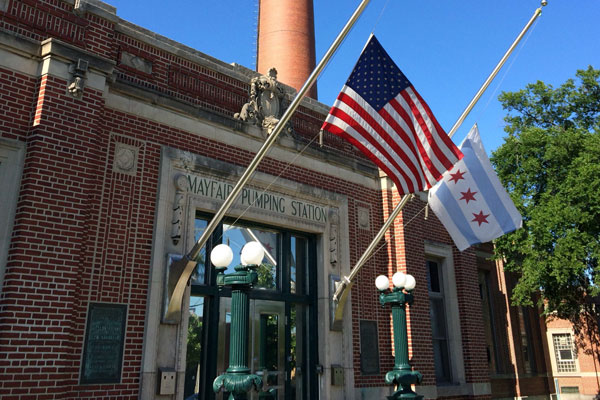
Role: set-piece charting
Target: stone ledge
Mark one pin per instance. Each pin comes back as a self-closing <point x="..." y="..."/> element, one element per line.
<point x="19" y="44"/>
<point x="233" y="70"/>
<point x="55" y="47"/>
<point x="95" y="7"/>
<point x="287" y="142"/>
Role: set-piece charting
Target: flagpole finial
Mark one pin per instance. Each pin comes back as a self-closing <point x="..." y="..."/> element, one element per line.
<point x="544" y="3"/>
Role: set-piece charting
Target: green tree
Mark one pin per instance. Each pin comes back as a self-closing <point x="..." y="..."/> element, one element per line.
<point x="550" y="164"/>
<point x="266" y="276"/>
<point x="194" y="352"/>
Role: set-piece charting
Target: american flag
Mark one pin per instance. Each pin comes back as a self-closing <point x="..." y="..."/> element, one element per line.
<point x="381" y="113"/>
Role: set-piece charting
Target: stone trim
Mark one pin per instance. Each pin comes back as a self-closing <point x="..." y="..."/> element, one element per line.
<point x="443" y="253"/>
<point x="19" y="44"/>
<point x="232" y="70"/>
<point x="12" y="157"/>
<point x="55" y="47"/>
<point x="229" y="130"/>
<point x="95" y="7"/>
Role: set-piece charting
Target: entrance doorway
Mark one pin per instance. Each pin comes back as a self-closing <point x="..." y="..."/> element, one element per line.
<point x="282" y="316"/>
<point x="266" y="343"/>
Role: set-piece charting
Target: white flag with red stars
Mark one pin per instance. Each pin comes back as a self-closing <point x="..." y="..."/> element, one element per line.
<point x="470" y="200"/>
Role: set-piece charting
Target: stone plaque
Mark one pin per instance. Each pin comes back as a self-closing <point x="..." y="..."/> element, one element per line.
<point x="126" y="157"/>
<point x="369" y="348"/>
<point x="103" y="347"/>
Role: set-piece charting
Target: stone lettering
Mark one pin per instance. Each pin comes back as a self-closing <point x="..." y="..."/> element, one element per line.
<point x="217" y="190"/>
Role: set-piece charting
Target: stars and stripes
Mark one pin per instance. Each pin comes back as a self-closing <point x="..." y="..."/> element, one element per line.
<point x="470" y="201"/>
<point x="380" y="112"/>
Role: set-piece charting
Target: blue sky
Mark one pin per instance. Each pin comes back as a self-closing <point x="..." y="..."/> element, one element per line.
<point x="446" y="48"/>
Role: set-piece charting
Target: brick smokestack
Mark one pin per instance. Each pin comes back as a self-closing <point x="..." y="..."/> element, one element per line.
<point x="286" y="41"/>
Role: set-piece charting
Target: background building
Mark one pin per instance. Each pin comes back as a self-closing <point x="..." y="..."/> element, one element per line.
<point x="117" y="145"/>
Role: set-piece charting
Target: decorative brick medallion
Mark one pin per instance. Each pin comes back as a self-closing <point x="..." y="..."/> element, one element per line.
<point x="125" y="159"/>
<point x="364" y="218"/>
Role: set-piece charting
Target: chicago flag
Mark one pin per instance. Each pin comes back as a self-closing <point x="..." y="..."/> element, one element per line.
<point x="470" y="201"/>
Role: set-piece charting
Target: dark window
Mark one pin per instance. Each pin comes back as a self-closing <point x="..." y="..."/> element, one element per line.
<point x="526" y="340"/>
<point x="489" y="322"/>
<point x="439" y="331"/>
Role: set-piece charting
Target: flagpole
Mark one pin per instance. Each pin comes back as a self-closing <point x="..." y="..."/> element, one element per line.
<point x="490" y="78"/>
<point x="183" y="268"/>
<point x="342" y="287"/>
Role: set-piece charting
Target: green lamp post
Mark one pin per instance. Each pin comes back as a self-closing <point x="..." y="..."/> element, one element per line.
<point x="402" y="376"/>
<point x="237" y="379"/>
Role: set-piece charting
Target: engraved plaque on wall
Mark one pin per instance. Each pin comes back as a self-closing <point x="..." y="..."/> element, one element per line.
<point x="103" y="347"/>
<point x="369" y="348"/>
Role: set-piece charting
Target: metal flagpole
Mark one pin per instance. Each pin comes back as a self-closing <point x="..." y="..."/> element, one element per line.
<point x="490" y="78"/>
<point x="183" y="268"/>
<point x="342" y="287"/>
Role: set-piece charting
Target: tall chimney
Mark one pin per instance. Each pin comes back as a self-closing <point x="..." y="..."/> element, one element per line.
<point x="286" y="41"/>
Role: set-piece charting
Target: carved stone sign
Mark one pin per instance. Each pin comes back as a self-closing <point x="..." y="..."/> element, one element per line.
<point x="103" y="347"/>
<point x="369" y="348"/>
<point x="136" y="62"/>
<point x="257" y="199"/>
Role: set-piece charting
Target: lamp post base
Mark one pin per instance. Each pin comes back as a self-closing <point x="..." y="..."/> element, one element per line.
<point x="405" y="393"/>
<point x="237" y="384"/>
<point x="402" y="381"/>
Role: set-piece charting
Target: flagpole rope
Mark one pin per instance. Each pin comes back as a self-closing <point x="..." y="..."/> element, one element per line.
<point x="387" y="241"/>
<point x="379" y="17"/>
<point x="491" y="77"/>
<point x="287" y="166"/>
<point x="504" y="75"/>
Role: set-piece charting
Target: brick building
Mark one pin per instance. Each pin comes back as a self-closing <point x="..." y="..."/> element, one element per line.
<point x="117" y="144"/>
<point x="574" y="367"/>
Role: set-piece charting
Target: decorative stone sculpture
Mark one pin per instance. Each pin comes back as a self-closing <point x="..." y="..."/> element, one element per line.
<point x="264" y="107"/>
<point x="333" y="237"/>
<point x="363" y="218"/>
<point x="181" y="187"/>
<point x="77" y="83"/>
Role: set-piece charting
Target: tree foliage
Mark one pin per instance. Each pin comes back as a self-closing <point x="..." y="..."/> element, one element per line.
<point x="194" y="342"/>
<point x="550" y="164"/>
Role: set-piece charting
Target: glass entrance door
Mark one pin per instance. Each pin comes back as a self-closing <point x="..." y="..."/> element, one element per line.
<point x="282" y="316"/>
<point x="266" y="343"/>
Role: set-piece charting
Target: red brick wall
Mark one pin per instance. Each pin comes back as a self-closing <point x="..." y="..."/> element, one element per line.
<point x="587" y="359"/>
<point x="40" y="290"/>
<point x="82" y="232"/>
<point x="406" y="252"/>
<point x="18" y="95"/>
<point x="42" y="19"/>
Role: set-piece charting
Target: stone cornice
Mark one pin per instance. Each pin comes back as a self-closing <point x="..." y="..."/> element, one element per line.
<point x="58" y="48"/>
<point x="19" y="44"/>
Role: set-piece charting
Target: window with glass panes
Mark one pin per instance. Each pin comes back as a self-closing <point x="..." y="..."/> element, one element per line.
<point x="282" y="313"/>
<point x="564" y="352"/>
<point x="485" y="294"/>
<point x="439" y="327"/>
